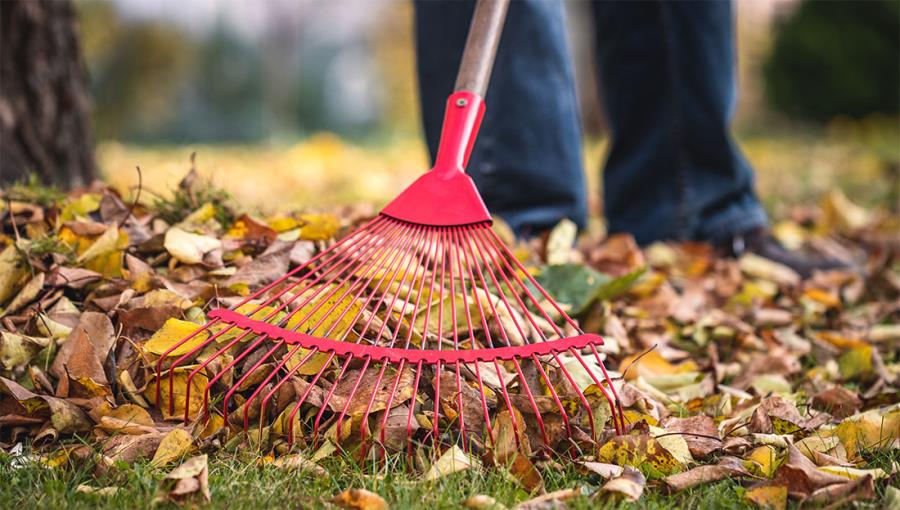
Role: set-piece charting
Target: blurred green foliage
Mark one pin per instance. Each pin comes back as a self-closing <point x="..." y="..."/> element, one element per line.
<point x="836" y="58"/>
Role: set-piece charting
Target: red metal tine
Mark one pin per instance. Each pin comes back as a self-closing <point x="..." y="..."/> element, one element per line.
<point x="424" y="268"/>
<point x="356" y="236"/>
<point x="264" y="402"/>
<point x="394" y="273"/>
<point x="361" y="286"/>
<point x="381" y="330"/>
<point x="453" y="320"/>
<point x="441" y="252"/>
<point x="565" y="372"/>
<point x="369" y="263"/>
<point x="302" y="399"/>
<point x="502" y="250"/>
<point x="395" y="235"/>
<point x="611" y="387"/>
<point x="487" y="333"/>
<point x="484" y="407"/>
<point x="524" y="335"/>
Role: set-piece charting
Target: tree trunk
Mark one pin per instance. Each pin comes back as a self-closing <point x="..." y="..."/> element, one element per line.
<point x="44" y="101"/>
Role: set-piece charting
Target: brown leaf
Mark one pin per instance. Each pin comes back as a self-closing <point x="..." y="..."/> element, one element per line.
<point x="128" y="448"/>
<point x="188" y="482"/>
<point x="839" y="495"/>
<point x="800" y="475"/>
<point x="776" y="415"/>
<point x="551" y="500"/>
<point x="266" y="268"/>
<point x="72" y="277"/>
<point x="726" y="468"/>
<point x="363" y="394"/>
<point x="630" y="484"/>
<point x="838" y="401"/>
<point x="699" y="432"/>
<point x="86" y="349"/>
<point x="360" y="499"/>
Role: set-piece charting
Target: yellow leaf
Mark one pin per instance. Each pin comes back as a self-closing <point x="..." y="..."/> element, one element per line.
<point x="324" y="316"/>
<point x="768" y="496"/>
<point x="642" y="452"/>
<point x="172" y="332"/>
<point x="282" y="223"/>
<point x="80" y="207"/>
<point x="172" y="447"/>
<point x="761" y="461"/>
<point x="319" y="227"/>
<point x="453" y="460"/>
<point x="360" y="499"/>
<point x="856" y="362"/>
<point x="653" y="364"/>
<point x="13" y="270"/>
<point x="179" y="393"/>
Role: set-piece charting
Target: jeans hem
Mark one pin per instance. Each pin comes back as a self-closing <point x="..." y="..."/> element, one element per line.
<point x="736" y="221"/>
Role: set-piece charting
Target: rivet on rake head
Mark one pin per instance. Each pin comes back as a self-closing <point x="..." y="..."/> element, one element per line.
<point x="461" y="102"/>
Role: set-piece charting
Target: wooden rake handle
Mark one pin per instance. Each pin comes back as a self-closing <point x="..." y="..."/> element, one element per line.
<point x="481" y="46"/>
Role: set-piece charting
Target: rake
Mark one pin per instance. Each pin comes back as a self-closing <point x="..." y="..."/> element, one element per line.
<point x="420" y="323"/>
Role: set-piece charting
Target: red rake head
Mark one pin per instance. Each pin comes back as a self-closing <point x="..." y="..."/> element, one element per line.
<point x="419" y="324"/>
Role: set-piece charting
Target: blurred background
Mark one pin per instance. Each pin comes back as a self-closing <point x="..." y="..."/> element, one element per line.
<point x="311" y="103"/>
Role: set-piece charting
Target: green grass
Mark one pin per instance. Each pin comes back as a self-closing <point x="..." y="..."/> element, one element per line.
<point x="238" y="482"/>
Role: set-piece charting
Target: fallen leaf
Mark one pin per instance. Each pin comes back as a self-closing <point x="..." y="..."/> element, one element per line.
<point x="172" y="447"/>
<point x="727" y="467"/>
<point x="189" y="482"/>
<point x="189" y="248"/>
<point x="173" y="332"/>
<point x="483" y="502"/>
<point x="360" y="499"/>
<point x="801" y="477"/>
<point x="451" y="461"/>
<point x="772" y="497"/>
<point x="629" y="485"/>
<point x="299" y="463"/>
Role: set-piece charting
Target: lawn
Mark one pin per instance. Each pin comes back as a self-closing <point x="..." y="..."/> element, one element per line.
<point x="743" y="384"/>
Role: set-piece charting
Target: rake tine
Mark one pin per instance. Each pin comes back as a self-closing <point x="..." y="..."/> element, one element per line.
<point x="487" y="419"/>
<point x="408" y="338"/>
<point x="406" y="248"/>
<point x="412" y="406"/>
<point x="584" y="401"/>
<point x="265" y="401"/>
<point x="302" y="399"/>
<point x="362" y="372"/>
<point x="562" y="411"/>
<point x="487" y="333"/>
<point x="246" y="352"/>
<point x="370" y="263"/>
<point x="243" y="378"/>
<point x="599" y="385"/>
<point x="355" y="235"/>
<point x="459" y="405"/>
<point x="612" y="387"/>
<point x="236" y="340"/>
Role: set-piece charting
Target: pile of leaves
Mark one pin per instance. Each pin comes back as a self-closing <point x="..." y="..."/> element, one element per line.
<point x="725" y="368"/>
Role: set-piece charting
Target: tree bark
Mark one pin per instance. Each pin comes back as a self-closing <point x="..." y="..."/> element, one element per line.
<point x="44" y="99"/>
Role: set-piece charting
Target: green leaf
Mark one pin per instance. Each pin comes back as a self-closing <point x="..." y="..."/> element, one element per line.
<point x="578" y="286"/>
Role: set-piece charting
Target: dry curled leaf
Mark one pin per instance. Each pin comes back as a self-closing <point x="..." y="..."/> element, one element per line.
<point x="360" y="499"/>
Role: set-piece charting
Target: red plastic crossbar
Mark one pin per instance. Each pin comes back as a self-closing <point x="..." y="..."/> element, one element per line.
<point x="396" y="355"/>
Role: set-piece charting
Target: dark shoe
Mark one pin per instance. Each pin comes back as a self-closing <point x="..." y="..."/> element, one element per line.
<point x="761" y="242"/>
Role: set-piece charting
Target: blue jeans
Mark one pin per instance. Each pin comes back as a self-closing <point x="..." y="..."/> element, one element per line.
<point x="667" y="76"/>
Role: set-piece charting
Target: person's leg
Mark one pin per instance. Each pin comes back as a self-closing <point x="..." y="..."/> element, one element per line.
<point x="667" y="72"/>
<point x="527" y="159"/>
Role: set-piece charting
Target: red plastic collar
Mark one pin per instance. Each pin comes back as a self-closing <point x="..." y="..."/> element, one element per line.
<point x="396" y="355"/>
<point x="446" y="196"/>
